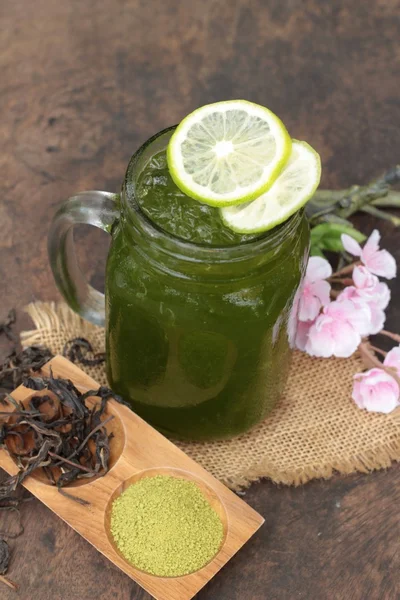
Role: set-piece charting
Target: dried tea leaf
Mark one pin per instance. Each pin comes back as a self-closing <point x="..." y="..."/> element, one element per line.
<point x="53" y="433"/>
<point x="4" y="557"/>
<point x="78" y="349"/>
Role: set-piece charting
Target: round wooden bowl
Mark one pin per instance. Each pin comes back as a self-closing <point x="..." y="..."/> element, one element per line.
<point x="210" y="495"/>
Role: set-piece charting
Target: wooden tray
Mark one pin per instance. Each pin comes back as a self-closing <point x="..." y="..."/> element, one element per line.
<point x="137" y="450"/>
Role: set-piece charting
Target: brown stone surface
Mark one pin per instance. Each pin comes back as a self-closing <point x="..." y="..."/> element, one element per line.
<point x="82" y="85"/>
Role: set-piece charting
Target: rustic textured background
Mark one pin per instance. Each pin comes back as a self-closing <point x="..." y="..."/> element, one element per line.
<point x="83" y="84"/>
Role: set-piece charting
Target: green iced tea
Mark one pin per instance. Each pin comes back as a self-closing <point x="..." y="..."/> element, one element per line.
<point x="198" y="317"/>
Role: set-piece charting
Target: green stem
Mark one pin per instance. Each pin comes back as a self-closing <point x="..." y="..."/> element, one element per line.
<point x="380" y="214"/>
<point x="344" y="203"/>
<point x="391" y="200"/>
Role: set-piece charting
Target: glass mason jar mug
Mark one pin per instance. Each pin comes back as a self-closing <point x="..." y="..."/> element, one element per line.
<point x="198" y="338"/>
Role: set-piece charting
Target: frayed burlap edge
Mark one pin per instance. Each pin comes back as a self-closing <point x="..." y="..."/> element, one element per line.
<point x="52" y="316"/>
<point x="365" y="463"/>
<point x="58" y="317"/>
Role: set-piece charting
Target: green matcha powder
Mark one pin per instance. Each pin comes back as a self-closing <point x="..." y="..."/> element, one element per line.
<point x="165" y="526"/>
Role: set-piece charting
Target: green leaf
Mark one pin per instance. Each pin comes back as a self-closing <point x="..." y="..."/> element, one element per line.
<point x="336" y="229"/>
<point x="331" y="243"/>
<point x="318" y="232"/>
<point x="327" y="236"/>
<point x="316" y="251"/>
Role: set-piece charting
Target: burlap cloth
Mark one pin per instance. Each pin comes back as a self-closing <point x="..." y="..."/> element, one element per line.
<point x="315" y="431"/>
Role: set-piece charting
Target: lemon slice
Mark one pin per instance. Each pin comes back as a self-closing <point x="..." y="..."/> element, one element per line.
<point x="228" y="152"/>
<point x="295" y="185"/>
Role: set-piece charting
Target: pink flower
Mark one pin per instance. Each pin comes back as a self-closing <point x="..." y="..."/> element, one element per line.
<point x="376" y="391"/>
<point x="315" y="291"/>
<point x="303" y="329"/>
<point x="370" y="291"/>
<point x="337" y="330"/>
<point x="370" y="288"/>
<point x="377" y="316"/>
<point x="379" y="262"/>
<point x="392" y="359"/>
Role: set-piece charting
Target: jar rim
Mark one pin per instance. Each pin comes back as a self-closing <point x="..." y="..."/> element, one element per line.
<point x="184" y="249"/>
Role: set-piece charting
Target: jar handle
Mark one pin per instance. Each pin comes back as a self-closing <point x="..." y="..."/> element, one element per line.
<point x="100" y="209"/>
